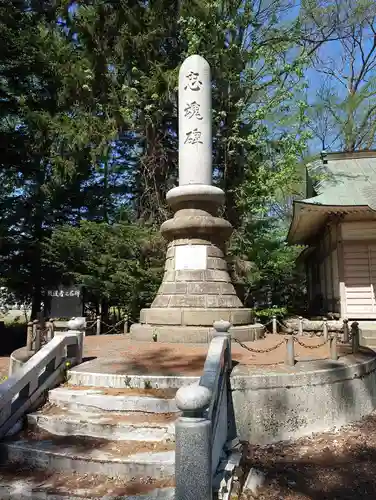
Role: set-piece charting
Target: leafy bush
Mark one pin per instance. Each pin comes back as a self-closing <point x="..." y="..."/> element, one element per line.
<point x="266" y="315"/>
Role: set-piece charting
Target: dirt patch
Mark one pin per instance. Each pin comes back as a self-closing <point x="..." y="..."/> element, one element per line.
<point x="84" y="486"/>
<point x="4" y="367"/>
<point x="331" y="466"/>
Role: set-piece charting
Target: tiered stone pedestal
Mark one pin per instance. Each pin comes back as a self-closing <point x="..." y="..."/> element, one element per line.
<point x="190" y="300"/>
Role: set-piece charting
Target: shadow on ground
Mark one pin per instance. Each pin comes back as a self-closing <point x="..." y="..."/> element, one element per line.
<point x="149" y="362"/>
<point x="13" y="336"/>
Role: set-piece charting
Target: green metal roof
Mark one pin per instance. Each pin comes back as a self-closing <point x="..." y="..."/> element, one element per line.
<point x="344" y="180"/>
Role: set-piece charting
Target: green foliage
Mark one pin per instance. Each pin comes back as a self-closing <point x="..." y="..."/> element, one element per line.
<point x="120" y="264"/>
<point x="89" y="116"/>
<point x="266" y="315"/>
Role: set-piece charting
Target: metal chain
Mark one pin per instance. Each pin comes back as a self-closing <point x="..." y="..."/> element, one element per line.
<point x="112" y="326"/>
<point x="309" y="346"/>
<point x="259" y="351"/>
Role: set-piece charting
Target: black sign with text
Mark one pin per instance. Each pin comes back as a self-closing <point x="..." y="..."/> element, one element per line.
<point x="65" y="302"/>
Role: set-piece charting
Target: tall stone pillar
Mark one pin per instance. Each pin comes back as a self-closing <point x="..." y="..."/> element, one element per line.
<point x="196" y="289"/>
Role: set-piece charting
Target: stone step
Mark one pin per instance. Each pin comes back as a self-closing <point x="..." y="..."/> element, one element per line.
<point x="132" y="459"/>
<point x="22" y="483"/>
<point x="131" y="426"/>
<point x="92" y="374"/>
<point x="118" y="400"/>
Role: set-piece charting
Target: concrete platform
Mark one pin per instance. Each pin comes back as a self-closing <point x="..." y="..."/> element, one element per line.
<point x="313" y="396"/>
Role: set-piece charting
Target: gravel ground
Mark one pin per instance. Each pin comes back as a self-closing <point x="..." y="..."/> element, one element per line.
<point x="333" y="466"/>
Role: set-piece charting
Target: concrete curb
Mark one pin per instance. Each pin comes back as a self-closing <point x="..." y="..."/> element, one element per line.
<point x="158" y="465"/>
<point x="95" y="399"/>
<point x="337" y="371"/>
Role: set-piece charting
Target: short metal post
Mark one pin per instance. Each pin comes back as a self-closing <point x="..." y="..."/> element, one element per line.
<point x="300" y="325"/>
<point x="346" y="331"/>
<point x="333" y="347"/>
<point x="355" y="337"/>
<point x="36" y="335"/>
<point x="274" y="324"/>
<point x="325" y="329"/>
<point x="125" y="323"/>
<point x="290" y="354"/>
<point x="193" y="446"/>
<point x="98" y="332"/>
<point x="221" y="329"/>
<point x="29" y="337"/>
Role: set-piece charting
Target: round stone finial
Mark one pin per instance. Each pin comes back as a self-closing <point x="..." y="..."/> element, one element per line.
<point x="193" y="398"/>
<point x="77" y="323"/>
<point x="222" y="326"/>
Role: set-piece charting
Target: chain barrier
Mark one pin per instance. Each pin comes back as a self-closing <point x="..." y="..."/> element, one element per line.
<point x="259" y="351"/>
<point x="92" y="324"/>
<point x="112" y="326"/>
<point x="273" y="348"/>
<point x="302" y="344"/>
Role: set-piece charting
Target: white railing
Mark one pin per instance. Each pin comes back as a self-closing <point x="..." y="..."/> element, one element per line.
<point x="202" y="430"/>
<point x="40" y="373"/>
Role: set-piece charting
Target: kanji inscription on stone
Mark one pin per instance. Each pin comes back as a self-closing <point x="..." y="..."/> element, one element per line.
<point x="192" y="110"/>
<point x="193" y="137"/>
<point x="193" y="81"/>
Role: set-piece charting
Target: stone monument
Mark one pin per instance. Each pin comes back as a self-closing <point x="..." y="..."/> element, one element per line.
<point x="196" y="289"/>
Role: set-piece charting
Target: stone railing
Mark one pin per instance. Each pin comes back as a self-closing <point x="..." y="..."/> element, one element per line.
<point x="202" y="430"/>
<point x="25" y="389"/>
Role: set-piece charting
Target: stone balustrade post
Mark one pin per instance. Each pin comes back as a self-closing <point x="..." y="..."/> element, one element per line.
<point x="325" y="329"/>
<point x="29" y="337"/>
<point x="290" y="351"/>
<point x="300" y="325"/>
<point x="274" y="324"/>
<point x="76" y="326"/>
<point x="193" y="438"/>
<point x="333" y="347"/>
<point x="36" y="335"/>
<point x="345" y="331"/>
<point x="52" y="328"/>
<point x="221" y="329"/>
<point x="355" y="337"/>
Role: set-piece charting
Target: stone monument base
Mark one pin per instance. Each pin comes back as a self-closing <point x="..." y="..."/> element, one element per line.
<point x="193" y="325"/>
